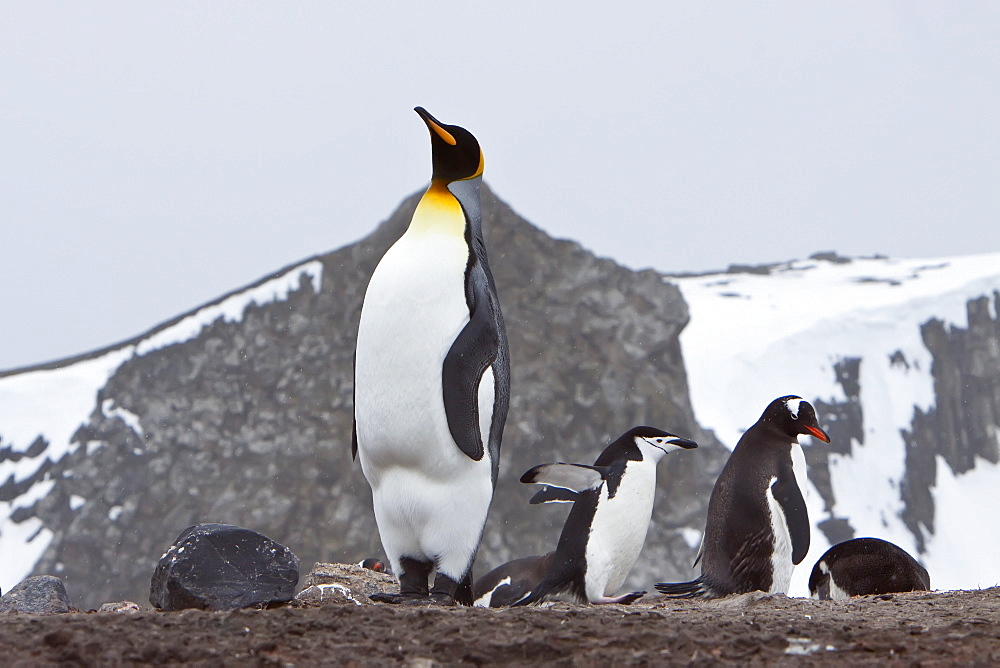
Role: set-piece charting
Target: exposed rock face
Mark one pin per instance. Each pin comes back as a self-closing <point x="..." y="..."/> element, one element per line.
<point x="963" y="425"/>
<point x="249" y="423"/>
<point x="965" y="422"/>
<point x="844" y="422"/>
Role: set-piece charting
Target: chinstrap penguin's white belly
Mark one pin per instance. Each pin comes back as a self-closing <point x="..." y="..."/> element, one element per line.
<point x="618" y="530"/>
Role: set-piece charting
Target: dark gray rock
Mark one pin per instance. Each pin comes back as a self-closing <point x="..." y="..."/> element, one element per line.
<point x="223" y="567"/>
<point x="37" y="595"/>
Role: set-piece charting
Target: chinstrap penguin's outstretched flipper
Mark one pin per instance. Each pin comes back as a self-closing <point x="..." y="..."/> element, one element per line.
<point x="432" y="382"/>
<point x="606" y="527"/>
<point x="758" y="525"/>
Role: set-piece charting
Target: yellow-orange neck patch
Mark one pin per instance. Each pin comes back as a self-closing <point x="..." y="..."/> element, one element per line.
<point x="438" y="212"/>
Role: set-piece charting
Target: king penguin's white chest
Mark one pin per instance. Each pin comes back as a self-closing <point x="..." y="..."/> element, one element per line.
<point x="618" y="530"/>
<point x="414" y="308"/>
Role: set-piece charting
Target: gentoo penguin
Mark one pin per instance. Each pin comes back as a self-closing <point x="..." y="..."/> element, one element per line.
<point x="758" y="525"/>
<point x="606" y="527"/>
<point x="432" y="382"/>
<point x="372" y="564"/>
<point x="866" y="566"/>
<point x="505" y="585"/>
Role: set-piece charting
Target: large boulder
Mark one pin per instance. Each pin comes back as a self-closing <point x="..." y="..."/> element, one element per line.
<point x="223" y="567"/>
<point x="37" y="595"/>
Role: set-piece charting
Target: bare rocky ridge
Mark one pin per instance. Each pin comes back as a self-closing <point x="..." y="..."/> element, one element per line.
<point x="249" y="423"/>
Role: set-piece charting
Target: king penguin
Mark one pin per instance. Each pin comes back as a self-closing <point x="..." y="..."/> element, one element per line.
<point x="758" y="525"/>
<point x="432" y="382"/>
<point x="606" y="527"/>
<point x="866" y="566"/>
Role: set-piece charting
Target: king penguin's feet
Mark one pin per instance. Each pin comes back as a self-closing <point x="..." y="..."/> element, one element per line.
<point x="413" y="586"/>
<point x="445" y="591"/>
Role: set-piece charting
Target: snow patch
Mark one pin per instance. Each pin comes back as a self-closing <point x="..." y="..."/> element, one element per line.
<point x="130" y="419"/>
<point x="344" y="591"/>
<point x="962" y="553"/>
<point x="232" y="308"/>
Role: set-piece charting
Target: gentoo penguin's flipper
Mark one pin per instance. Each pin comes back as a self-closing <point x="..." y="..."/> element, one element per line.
<point x="572" y="477"/>
<point x="553" y="495"/>
<point x="787" y="493"/>
<point x="475" y="349"/>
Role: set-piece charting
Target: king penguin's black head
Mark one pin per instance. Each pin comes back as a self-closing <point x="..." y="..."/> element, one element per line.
<point x="455" y="152"/>
<point x="793" y="415"/>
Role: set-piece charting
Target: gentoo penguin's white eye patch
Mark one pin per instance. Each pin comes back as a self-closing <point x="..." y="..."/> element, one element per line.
<point x="793" y="407"/>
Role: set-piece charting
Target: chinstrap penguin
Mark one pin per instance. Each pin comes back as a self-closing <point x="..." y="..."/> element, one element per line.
<point x="866" y="566"/>
<point x="606" y="527"/>
<point x="432" y="382"/>
<point x="758" y="525"/>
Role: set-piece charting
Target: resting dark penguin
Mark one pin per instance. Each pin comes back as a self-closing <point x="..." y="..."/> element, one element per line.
<point x="866" y="566"/>
<point x="606" y="527"/>
<point x="432" y="382"/>
<point x="758" y="525"/>
<point x="507" y="584"/>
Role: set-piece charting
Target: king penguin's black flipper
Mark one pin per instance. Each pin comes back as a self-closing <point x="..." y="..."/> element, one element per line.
<point x="354" y="419"/>
<point x="473" y="352"/>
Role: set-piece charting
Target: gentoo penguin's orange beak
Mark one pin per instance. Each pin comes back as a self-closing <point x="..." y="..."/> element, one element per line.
<point x="818" y="433"/>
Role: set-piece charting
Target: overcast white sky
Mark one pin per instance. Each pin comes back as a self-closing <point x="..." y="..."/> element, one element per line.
<point x="154" y="156"/>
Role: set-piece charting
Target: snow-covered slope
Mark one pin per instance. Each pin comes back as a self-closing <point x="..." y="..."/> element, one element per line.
<point x="757" y="336"/>
<point x="41" y="410"/>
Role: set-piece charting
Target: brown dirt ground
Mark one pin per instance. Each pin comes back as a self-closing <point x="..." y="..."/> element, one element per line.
<point x="947" y="628"/>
